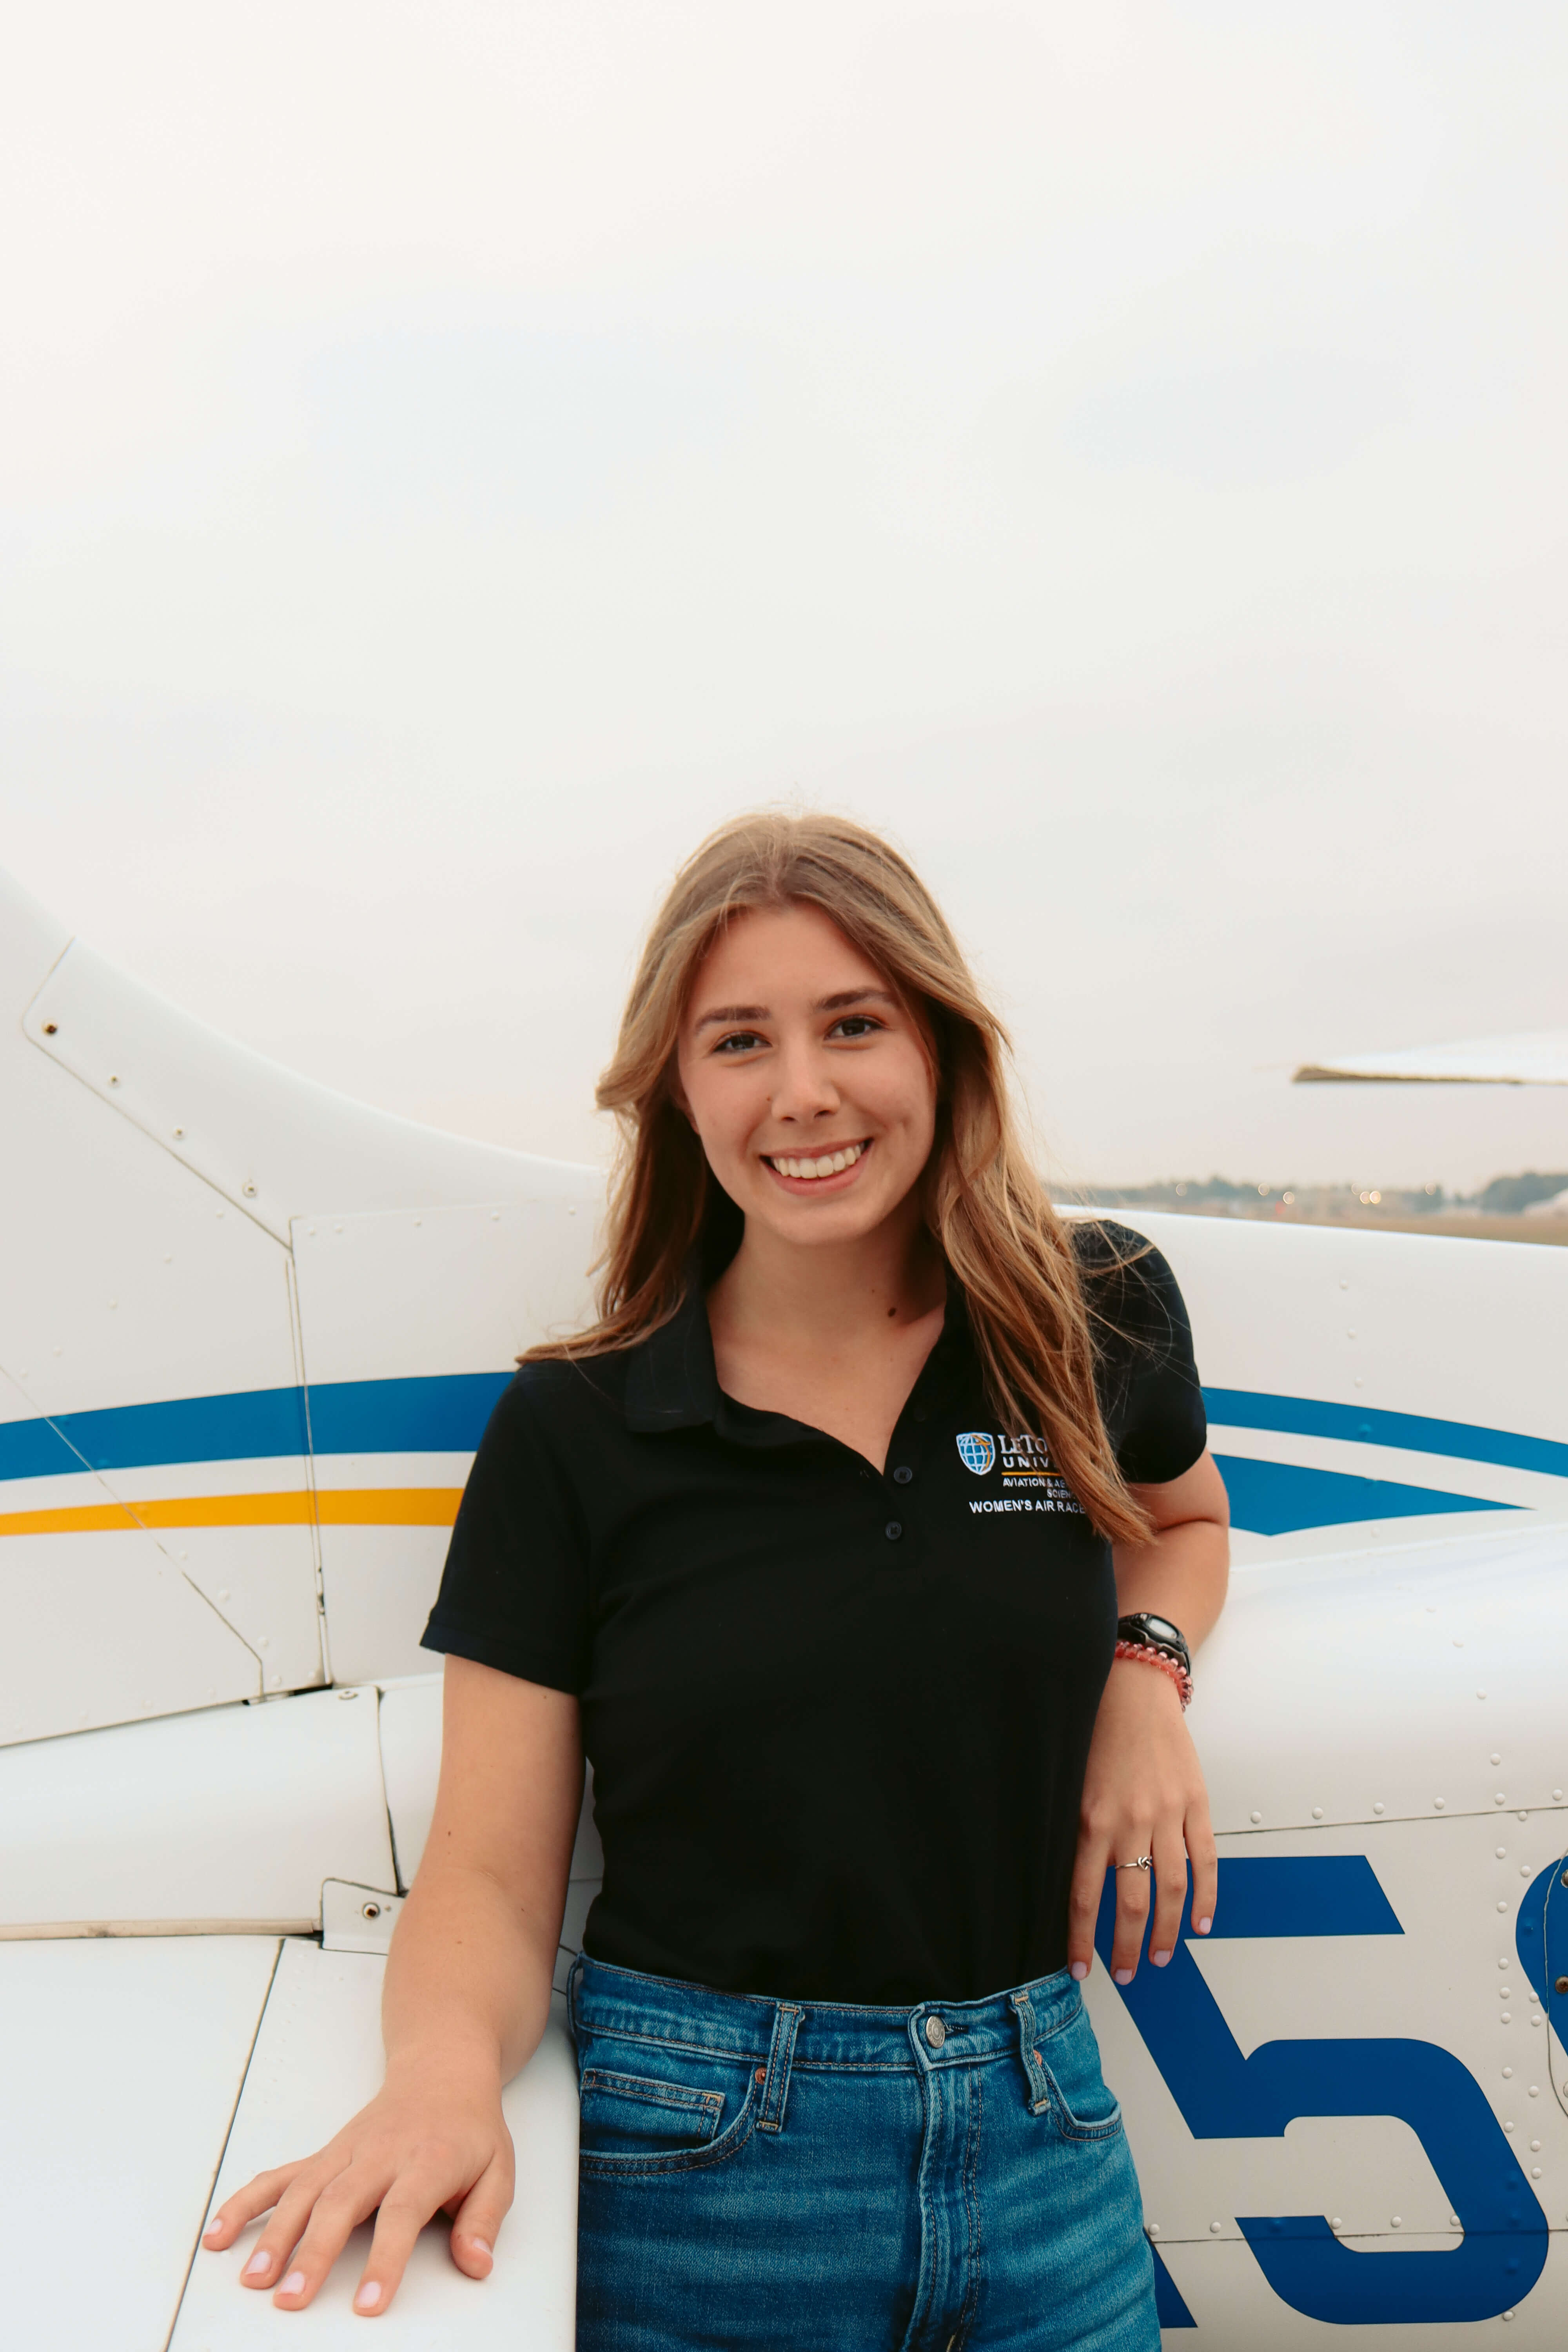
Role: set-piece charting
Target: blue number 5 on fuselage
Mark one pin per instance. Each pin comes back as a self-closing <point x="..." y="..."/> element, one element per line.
<point x="1223" y="2096"/>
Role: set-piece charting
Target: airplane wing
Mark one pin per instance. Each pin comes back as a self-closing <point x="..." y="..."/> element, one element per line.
<point x="1536" y="1058"/>
<point x="195" y="1917"/>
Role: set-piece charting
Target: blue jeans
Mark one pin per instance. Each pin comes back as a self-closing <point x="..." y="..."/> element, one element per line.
<point x="801" y="2176"/>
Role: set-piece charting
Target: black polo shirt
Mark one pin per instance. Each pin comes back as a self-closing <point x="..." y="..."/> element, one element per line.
<point x="838" y="1720"/>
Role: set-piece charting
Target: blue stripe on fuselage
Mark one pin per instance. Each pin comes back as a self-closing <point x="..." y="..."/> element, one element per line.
<point x="1413" y="1432"/>
<point x="1281" y="1498"/>
<point x="446" y="1414"/>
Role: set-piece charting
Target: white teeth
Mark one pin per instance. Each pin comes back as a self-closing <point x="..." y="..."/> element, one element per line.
<point x="829" y="1164"/>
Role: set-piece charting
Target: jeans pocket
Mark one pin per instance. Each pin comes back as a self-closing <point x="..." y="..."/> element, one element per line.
<point x="1081" y="2105"/>
<point x="698" y="2111"/>
<point x="636" y="2115"/>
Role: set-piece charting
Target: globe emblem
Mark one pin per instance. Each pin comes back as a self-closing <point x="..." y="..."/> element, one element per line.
<point x="976" y="1451"/>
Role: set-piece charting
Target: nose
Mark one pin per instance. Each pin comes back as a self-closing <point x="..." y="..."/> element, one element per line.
<point x="804" y="1088"/>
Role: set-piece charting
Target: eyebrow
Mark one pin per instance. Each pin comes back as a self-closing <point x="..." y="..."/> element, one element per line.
<point x="722" y="1015"/>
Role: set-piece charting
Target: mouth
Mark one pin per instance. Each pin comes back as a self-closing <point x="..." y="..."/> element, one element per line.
<point x="811" y="1171"/>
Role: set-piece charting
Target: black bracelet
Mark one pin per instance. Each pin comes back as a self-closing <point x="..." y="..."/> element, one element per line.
<point x="1156" y="1633"/>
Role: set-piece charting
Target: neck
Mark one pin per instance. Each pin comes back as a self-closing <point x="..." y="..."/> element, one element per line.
<point x="831" y="1296"/>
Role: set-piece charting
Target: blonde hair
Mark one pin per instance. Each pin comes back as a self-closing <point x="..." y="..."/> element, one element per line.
<point x="984" y="1203"/>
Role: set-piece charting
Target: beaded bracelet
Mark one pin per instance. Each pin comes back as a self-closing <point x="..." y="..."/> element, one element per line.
<point x="1167" y="1665"/>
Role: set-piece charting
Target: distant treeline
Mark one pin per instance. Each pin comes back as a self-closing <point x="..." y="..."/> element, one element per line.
<point x="1510" y="1196"/>
<point x="1505" y="1196"/>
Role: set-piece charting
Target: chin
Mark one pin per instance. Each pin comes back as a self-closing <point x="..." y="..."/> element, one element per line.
<point x="837" y="1220"/>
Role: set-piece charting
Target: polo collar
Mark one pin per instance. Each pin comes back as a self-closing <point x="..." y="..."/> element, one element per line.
<point x="671" y="1382"/>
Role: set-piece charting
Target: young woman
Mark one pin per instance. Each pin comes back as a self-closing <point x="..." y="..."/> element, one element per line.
<point x="861" y="1545"/>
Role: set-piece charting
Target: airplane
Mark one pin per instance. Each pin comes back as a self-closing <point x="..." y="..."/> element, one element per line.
<point x="1529" y="1057"/>
<point x="250" y="1332"/>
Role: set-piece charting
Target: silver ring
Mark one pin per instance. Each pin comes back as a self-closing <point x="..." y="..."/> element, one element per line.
<point x="1145" y="1862"/>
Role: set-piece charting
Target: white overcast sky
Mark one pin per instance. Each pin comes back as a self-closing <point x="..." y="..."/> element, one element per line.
<point x="454" y="453"/>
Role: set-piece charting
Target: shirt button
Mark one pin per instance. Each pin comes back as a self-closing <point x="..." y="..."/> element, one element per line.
<point x="902" y="1475"/>
<point x="893" y="1530"/>
<point x="936" y="2033"/>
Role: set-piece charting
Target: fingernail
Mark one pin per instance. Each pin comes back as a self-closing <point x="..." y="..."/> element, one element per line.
<point x="368" y="2297"/>
<point x="1123" y="1976"/>
<point x="1159" y="1959"/>
<point x="479" y="2247"/>
<point x="258" y="2265"/>
<point x="294" y="2283"/>
<point x="1079" y="1970"/>
<point x="1204" y="1926"/>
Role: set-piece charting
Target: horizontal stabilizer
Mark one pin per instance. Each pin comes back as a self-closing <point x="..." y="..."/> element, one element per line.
<point x="1534" y="1057"/>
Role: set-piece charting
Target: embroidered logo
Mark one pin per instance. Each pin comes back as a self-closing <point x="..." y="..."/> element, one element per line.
<point x="1028" y="1480"/>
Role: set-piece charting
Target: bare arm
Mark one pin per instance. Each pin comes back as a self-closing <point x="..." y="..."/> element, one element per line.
<point x="1182" y="1574"/>
<point x="1143" y="1791"/>
<point x="469" y="1971"/>
<point x="465" y="2001"/>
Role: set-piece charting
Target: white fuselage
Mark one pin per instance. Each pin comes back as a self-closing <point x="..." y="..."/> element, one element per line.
<point x="250" y="1334"/>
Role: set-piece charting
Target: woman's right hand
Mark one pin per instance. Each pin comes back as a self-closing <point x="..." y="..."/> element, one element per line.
<point x="432" y="2139"/>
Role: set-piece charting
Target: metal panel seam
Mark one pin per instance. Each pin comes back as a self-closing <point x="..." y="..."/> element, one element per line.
<point x="223" y="2151"/>
<point x="111" y="1104"/>
<point x="59" y="1931"/>
<point x="130" y="1510"/>
<point x="399" y="1884"/>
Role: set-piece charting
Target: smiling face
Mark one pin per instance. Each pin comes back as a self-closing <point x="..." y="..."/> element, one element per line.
<point x="806" y="1079"/>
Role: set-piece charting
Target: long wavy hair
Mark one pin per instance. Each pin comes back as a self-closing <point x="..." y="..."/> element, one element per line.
<point x="984" y="1203"/>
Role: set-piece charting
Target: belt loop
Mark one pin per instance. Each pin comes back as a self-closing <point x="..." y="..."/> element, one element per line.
<point x="574" y="1978"/>
<point x="1034" y="2073"/>
<point x="776" y="2083"/>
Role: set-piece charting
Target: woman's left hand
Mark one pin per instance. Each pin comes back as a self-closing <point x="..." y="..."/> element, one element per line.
<point x="1142" y="1793"/>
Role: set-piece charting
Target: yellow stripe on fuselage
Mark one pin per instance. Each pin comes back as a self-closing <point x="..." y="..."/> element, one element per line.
<point x="341" y="1506"/>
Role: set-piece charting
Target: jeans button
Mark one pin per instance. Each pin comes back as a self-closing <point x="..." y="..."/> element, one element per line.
<point x="936" y="2033"/>
<point x="902" y="1475"/>
<point x="893" y="1530"/>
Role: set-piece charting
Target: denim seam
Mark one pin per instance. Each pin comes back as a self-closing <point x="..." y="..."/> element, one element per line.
<point x="853" y="2067"/>
<point x="969" y="2308"/>
<point x="931" y="2099"/>
<point x="666" y="2041"/>
<point x="797" y="2065"/>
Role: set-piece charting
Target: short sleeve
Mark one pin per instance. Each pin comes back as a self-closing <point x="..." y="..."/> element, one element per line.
<point x="1150" y="1392"/>
<point x="514" y="1590"/>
